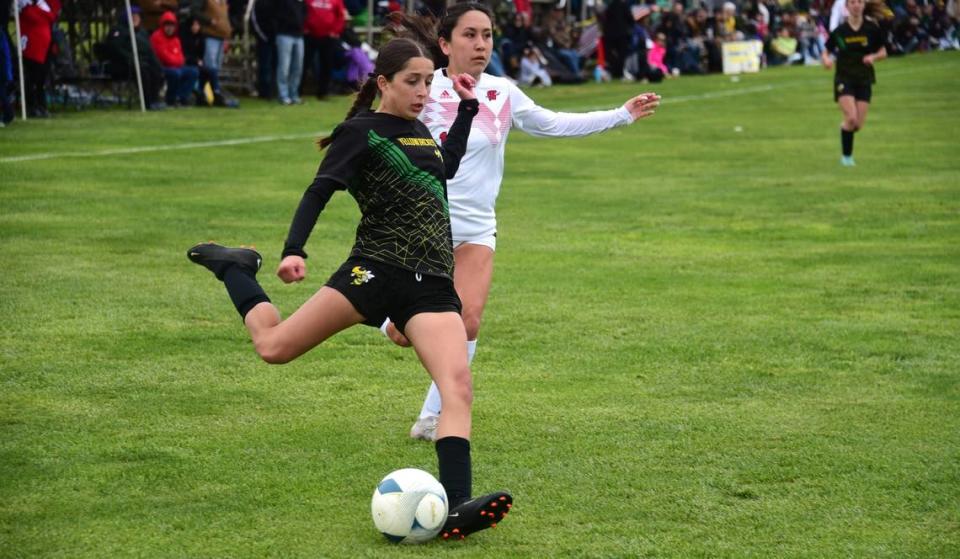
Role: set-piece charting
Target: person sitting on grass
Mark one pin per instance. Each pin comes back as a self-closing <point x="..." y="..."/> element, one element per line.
<point x="533" y="68"/>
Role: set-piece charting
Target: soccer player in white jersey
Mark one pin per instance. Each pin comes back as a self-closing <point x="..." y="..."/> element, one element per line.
<point x="462" y="42"/>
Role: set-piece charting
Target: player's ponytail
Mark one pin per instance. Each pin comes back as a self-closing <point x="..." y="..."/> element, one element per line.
<point x="365" y="97"/>
<point x="392" y="58"/>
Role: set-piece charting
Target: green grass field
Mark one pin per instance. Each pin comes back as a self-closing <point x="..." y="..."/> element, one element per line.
<point x="700" y="342"/>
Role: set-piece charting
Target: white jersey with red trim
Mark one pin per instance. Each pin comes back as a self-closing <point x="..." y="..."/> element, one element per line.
<point x="473" y="191"/>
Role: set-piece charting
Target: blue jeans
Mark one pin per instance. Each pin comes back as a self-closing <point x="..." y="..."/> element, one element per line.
<point x="510" y="57"/>
<point x="570" y="58"/>
<point x="180" y="83"/>
<point x="6" y="79"/>
<point x="212" y="60"/>
<point x="289" y="67"/>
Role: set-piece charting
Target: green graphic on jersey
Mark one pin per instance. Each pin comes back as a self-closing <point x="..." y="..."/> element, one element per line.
<point x="406" y="220"/>
<point x="841" y="43"/>
<point x="405" y="169"/>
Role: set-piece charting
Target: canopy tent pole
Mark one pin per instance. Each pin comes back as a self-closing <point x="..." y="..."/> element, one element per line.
<point x="23" y="85"/>
<point x="136" y="55"/>
<point x="248" y="74"/>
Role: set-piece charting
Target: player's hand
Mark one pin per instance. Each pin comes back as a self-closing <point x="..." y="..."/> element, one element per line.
<point x="396" y="337"/>
<point x="463" y="84"/>
<point x="292" y="268"/>
<point x="642" y="105"/>
<point x="868" y="59"/>
<point x="827" y="63"/>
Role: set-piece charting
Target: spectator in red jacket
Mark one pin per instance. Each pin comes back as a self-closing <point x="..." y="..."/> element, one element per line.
<point x="181" y="79"/>
<point x="322" y="28"/>
<point x="36" y="30"/>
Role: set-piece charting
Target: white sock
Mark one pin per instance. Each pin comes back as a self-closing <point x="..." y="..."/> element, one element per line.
<point x="383" y="327"/>
<point x="471" y="350"/>
<point x="432" y="404"/>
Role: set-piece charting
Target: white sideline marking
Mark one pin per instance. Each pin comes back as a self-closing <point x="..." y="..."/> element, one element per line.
<point x="681" y="98"/>
<point x="261" y="139"/>
<point x="151" y="149"/>
<point x="239" y="141"/>
<point x="716" y="94"/>
<point x="827" y="79"/>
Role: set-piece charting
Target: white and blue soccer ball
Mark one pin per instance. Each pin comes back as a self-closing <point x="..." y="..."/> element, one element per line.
<point x="409" y="506"/>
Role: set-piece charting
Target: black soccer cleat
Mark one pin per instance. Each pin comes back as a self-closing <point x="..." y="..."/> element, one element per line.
<point x="475" y="515"/>
<point x="217" y="258"/>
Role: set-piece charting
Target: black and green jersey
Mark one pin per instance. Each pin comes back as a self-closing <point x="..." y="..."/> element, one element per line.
<point x="398" y="175"/>
<point x="850" y="46"/>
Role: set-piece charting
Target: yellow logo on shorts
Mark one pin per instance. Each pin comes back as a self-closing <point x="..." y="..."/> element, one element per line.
<point x="361" y="275"/>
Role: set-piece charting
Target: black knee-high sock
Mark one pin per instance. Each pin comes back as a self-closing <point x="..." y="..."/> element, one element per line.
<point x="846" y="142"/>
<point x="243" y="288"/>
<point x="453" y="457"/>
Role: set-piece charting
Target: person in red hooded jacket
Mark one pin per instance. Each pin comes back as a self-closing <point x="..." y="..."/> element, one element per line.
<point x="181" y="79"/>
<point x="322" y="28"/>
<point x="36" y="32"/>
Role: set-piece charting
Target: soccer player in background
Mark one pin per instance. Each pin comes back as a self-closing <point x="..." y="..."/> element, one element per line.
<point x="401" y="264"/>
<point x="462" y="43"/>
<point x="855" y="45"/>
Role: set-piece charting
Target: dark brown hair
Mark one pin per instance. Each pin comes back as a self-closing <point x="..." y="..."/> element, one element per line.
<point x="428" y="30"/>
<point x="393" y="57"/>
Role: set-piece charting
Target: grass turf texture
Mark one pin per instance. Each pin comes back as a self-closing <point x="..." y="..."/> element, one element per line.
<point x="699" y="342"/>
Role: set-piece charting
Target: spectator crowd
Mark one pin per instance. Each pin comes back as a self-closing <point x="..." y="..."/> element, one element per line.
<point x="181" y="45"/>
<point x="656" y="39"/>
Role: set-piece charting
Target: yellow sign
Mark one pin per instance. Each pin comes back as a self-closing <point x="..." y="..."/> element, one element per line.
<point x="742" y="56"/>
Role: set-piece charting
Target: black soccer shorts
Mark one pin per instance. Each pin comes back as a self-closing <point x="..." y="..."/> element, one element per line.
<point x="378" y="290"/>
<point x="859" y="91"/>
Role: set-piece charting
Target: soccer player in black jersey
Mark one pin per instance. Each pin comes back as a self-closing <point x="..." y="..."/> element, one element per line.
<point x="856" y="44"/>
<point x="401" y="264"/>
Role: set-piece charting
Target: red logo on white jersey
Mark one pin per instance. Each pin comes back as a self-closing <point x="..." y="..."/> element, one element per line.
<point x="445" y="94"/>
<point x="443" y="137"/>
<point x="492" y="95"/>
<point x="493" y="125"/>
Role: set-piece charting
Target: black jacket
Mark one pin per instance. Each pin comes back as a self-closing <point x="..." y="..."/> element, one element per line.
<point x="262" y="20"/>
<point x="118" y="52"/>
<point x="617" y="22"/>
<point x="287" y="16"/>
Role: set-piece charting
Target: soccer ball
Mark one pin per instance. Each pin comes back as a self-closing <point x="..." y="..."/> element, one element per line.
<point x="409" y="506"/>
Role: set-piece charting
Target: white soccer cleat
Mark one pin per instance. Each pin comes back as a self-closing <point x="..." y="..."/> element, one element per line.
<point x="425" y="428"/>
